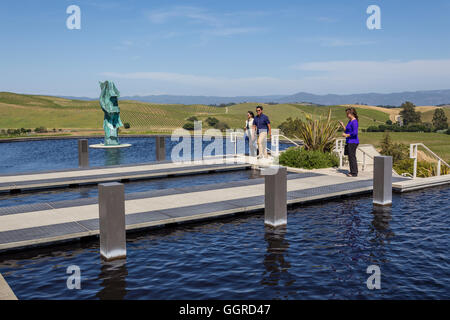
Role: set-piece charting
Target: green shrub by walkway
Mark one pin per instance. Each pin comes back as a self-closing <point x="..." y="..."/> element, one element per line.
<point x="308" y="159"/>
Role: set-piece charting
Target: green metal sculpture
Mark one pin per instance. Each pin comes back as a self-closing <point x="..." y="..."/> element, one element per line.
<point x="110" y="106"/>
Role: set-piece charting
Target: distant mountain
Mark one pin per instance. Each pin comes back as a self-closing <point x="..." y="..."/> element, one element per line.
<point x="203" y="99"/>
<point x="423" y="98"/>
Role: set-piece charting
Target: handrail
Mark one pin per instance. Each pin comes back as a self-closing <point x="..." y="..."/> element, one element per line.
<point x="434" y="154"/>
<point x="413" y="148"/>
<point x="290" y="140"/>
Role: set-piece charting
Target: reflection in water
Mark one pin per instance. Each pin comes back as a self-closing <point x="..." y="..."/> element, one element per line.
<point x="113" y="276"/>
<point x="380" y="224"/>
<point x="113" y="157"/>
<point x="255" y="174"/>
<point x="274" y="261"/>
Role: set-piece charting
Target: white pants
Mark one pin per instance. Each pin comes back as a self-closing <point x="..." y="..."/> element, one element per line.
<point x="262" y="143"/>
<point x="252" y="144"/>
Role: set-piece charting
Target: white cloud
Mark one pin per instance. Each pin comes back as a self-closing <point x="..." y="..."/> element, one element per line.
<point x="213" y="24"/>
<point x="194" y="14"/>
<point x="189" y="84"/>
<point x="231" y="31"/>
<point x="337" y="42"/>
<point x="378" y="76"/>
<point x="341" y="77"/>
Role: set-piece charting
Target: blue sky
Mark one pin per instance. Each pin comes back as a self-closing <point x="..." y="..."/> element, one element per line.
<point x="224" y="48"/>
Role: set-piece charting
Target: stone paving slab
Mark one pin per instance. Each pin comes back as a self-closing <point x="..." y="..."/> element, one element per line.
<point x="142" y="195"/>
<point x="94" y="176"/>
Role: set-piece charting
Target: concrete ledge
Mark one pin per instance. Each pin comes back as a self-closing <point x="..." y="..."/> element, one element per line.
<point x="5" y="291"/>
<point x="420" y="183"/>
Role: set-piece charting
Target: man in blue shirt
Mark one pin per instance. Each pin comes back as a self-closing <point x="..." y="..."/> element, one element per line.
<point x="262" y="125"/>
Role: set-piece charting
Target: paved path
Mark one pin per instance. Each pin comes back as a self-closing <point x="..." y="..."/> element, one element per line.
<point x="5" y="291"/>
<point x="42" y="223"/>
<point x="61" y="178"/>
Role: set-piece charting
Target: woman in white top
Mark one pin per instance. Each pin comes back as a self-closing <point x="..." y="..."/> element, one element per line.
<point x="250" y="133"/>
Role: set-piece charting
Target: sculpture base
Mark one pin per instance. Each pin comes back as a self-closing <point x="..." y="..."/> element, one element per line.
<point x="102" y="146"/>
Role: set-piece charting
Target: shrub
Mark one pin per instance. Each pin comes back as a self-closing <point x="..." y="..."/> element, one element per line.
<point x="212" y="122"/>
<point x="424" y="169"/>
<point x="308" y="159"/>
<point x="319" y="134"/>
<point x="192" y="119"/>
<point x="397" y="151"/>
<point x="290" y="127"/>
<point x="40" y="130"/>
<point x="126" y="125"/>
<point x="448" y="131"/>
<point x="222" y="126"/>
<point x="188" y="126"/>
<point x="372" y="129"/>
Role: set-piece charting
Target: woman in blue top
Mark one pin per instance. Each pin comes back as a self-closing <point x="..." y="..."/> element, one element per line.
<point x="351" y="139"/>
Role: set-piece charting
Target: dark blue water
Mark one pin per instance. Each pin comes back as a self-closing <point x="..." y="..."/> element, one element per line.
<point x="7" y="200"/>
<point x="322" y="254"/>
<point x="46" y="155"/>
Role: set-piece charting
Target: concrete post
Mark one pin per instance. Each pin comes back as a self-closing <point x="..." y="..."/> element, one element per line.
<point x="111" y="201"/>
<point x="160" y="148"/>
<point x="275" y="212"/>
<point x="83" y="153"/>
<point x="382" y="180"/>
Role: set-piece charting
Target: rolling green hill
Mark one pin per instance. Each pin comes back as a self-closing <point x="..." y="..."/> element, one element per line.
<point x="31" y="111"/>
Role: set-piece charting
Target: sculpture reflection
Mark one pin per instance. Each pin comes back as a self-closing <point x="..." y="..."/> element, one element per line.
<point x="275" y="263"/>
<point x="113" y="157"/>
<point x="382" y="215"/>
<point x="113" y="276"/>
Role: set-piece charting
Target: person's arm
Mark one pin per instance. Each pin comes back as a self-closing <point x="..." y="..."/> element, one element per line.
<point x="269" y="132"/>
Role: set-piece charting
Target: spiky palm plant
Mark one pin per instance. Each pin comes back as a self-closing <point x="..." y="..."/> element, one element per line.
<point x="318" y="134"/>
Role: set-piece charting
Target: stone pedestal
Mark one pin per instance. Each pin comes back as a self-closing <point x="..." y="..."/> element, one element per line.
<point x="83" y="153"/>
<point x="111" y="201"/>
<point x="160" y="148"/>
<point x="275" y="212"/>
<point x="382" y="181"/>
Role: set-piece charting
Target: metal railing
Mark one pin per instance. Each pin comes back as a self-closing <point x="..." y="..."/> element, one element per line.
<point x="413" y="149"/>
<point x="339" y="149"/>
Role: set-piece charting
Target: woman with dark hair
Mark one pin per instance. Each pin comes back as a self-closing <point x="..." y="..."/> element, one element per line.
<point x="351" y="140"/>
<point x="250" y="133"/>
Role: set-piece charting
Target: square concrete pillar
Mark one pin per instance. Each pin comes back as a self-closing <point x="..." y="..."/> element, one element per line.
<point x="111" y="202"/>
<point x="275" y="209"/>
<point x="83" y="153"/>
<point x="382" y="180"/>
<point x="160" y="148"/>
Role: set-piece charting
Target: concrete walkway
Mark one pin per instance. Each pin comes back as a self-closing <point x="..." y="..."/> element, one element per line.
<point x="61" y="178"/>
<point x="5" y="291"/>
<point x="44" y="223"/>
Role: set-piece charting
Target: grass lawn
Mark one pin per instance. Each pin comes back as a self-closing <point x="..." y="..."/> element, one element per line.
<point x="439" y="143"/>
